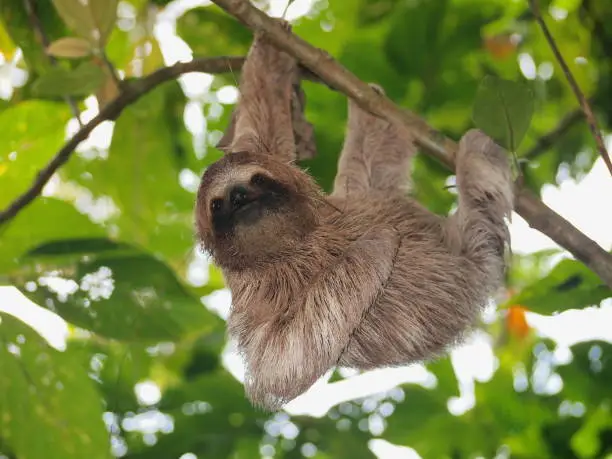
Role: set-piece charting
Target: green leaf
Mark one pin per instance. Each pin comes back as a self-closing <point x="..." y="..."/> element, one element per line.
<point x="70" y="47"/>
<point x="210" y="31"/>
<point x="503" y="110"/>
<point x="119" y="367"/>
<point x="93" y="20"/>
<point x="429" y="185"/>
<point x="586" y="442"/>
<point x="363" y="53"/>
<point x="587" y="377"/>
<point x="77" y="16"/>
<point x="32" y="132"/>
<point x="413" y="38"/>
<point x="45" y="219"/>
<point x="16" y="20"/>
<point x="59" y="82"/>
<point x="78" y="247"/>
<point x="570" y="285"/>
<point x="210" y="413"/>
<point x="115" y="290"/>
<point x="104" y="14"/>
<point x="141" y="176"/>
<point x="47" y="392"/>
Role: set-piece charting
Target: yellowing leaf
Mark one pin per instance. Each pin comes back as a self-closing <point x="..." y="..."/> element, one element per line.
<point x="7" y="47"/>
<point x="70" y="47"/>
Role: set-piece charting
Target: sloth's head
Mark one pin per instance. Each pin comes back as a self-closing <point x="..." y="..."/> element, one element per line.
<point x="252" y="208"/>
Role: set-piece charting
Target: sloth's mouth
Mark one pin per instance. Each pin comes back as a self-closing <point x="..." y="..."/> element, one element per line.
<point x="249" y="212"/>
<point x="248" y="206"/>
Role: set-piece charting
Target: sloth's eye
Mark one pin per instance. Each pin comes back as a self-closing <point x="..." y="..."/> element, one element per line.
<point x="216" y="205"/>
<point x="258" y="179"/>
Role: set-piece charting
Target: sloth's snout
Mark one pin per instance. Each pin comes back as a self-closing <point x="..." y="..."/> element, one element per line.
<point x="239" y="196"/>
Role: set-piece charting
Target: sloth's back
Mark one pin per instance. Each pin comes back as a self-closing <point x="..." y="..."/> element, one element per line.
<point x="432" y="297"/>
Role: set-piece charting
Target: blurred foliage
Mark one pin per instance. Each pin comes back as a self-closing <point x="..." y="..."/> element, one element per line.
<point x="110" y="248"/>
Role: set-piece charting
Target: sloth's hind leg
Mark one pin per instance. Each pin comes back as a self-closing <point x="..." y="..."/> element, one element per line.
<point x="376" y="154"/>
<point x="478" y="229"/>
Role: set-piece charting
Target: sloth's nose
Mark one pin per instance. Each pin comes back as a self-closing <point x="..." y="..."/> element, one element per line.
<point x="239" y="196"/>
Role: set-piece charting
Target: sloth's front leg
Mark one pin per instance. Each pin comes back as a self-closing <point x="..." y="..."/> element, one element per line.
<point x="478" y="229"/>
<point x="268" y="117"/>
<point x="286" y="355"/>
<point x="376" y="154"/>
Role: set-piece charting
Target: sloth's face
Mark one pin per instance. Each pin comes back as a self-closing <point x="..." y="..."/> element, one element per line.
<point x="245" y="202"/>
<point x="252" y="207"/>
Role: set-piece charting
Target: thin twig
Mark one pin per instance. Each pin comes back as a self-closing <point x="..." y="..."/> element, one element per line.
<point x="536" y="213"/>
<point x="553" y="136"/>
<point x="586" y="107"/>
<point x="38" y="29"/>
<point x="111" y="69"/>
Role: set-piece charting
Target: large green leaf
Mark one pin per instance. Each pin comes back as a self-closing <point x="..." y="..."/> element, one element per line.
<point x="32" y="132"/>
<point x="570" y="285"/>
<point x="48" y="405"/>
<point x="116" y="291"/>
<point x="503" y="110"/>
<point x="141" y="176"/>
<point x="45" y="219"/>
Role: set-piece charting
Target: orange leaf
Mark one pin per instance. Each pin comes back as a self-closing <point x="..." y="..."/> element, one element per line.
<point x="500" y="46"/>
<point x="516" y="322"/>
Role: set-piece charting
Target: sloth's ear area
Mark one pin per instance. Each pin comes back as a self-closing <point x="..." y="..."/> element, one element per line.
<point x="268" y="117"/>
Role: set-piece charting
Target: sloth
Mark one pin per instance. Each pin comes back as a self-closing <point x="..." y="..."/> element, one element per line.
<point x="363" y="277"/>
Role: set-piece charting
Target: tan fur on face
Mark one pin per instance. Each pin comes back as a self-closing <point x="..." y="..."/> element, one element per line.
<point x="365" y="277"/>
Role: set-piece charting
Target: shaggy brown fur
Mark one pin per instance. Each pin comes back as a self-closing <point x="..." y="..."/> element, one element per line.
<point x="365" y="277"/>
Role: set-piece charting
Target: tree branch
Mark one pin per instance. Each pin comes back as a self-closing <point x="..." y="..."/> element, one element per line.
<point x="321" y="67"/>
<point x="536" y="213"/>
<point x="130" y="93"/>
<point x="584" y="104"/>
